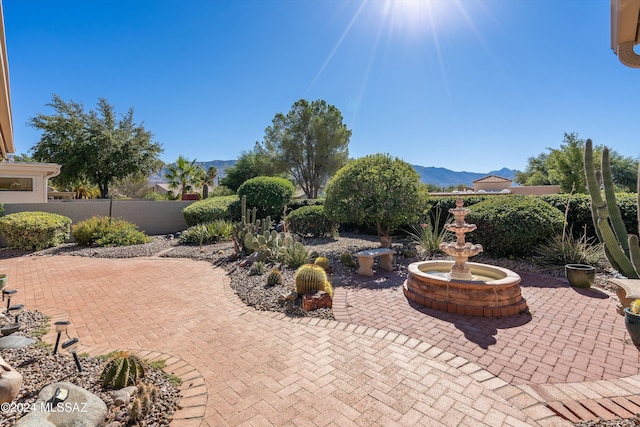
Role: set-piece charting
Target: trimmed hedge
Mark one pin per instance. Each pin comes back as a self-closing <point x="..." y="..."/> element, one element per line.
<point x="35" y="230"/>
<point x="579" y="214"/>
<point x="513" y="225"/>
<point x="311" y="221"/>
<point x="295" y="204"/>
<point x="268" y="194"/>
<point x="105" y="231"/>
<point x="211" y="209"/>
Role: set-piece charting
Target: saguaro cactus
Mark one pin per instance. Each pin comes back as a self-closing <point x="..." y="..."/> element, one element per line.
<point x="622" y="250"/>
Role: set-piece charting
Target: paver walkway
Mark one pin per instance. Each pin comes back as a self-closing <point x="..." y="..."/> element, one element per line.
<point x="264" y="369"/>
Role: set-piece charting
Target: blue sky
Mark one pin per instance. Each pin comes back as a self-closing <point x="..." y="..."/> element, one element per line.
<point x="470" y="85"/>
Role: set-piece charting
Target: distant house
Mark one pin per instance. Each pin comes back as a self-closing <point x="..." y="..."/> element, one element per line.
<point x="494" y="184"/>
<point x="26" y="182"/>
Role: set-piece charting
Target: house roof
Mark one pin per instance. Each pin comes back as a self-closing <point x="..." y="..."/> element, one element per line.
<point x="6" y="124"/>
<point x="625" y="31"/>
<point x="492" y="178"/>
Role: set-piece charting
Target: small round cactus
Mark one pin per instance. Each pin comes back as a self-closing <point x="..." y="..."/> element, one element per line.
<point x="322" y="262"/>
<point x="274" y="278"/>
<point x="635" y="306"/>
<point x="346" y="259"/>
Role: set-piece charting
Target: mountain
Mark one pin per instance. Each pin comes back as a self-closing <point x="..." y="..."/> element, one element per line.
<point x="445" y="177"/>
<point x="441" y="177"/>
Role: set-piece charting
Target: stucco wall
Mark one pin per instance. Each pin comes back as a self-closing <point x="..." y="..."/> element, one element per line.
<point x="152" y="217"/>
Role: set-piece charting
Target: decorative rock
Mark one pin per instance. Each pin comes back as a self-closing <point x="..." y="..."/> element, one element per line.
<point x="282" y="298"/>
<point x="10" y="382"/>
<point x="80" y="408"/>
<point x="123" y="396"/>
<point x="315" y="300"/>
<point x="15" y="341"/>
<point x="292" y="296"/>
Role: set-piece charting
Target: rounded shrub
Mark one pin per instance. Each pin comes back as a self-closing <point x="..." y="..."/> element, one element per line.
<point x="311" y="221"/>
<point x="268" y="194"/>
<point x="513" y="225"/>
<point x="375" y="190"/>
<point x="211" y="209"/>
<point x="34" y="230"/>
<point x="105" y="231"/>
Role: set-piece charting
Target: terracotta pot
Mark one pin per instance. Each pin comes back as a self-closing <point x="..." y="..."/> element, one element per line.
<point x="580" y="275"/>
<point x="632" y="322"/>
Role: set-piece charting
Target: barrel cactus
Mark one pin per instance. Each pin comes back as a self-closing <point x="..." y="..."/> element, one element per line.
<point x="122" y="370"/>
<point x="274" y="278"/>
<point x="310" y="277"/>
<point x="322" y="262"/>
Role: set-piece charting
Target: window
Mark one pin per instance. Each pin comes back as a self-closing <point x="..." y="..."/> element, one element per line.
<point x="16" y="184"/>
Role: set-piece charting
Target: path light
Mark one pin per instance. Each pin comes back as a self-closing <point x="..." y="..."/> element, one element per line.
<point x="15" y="310"/>
<point x="70" y="346"/>
<point x="9" y="293"/>
<point x="61" y="326"/>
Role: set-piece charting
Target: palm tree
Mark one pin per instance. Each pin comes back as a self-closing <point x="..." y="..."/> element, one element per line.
<point x="183" y="175"/>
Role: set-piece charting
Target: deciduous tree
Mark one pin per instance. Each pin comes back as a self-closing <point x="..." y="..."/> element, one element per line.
<point x="95" y="146"/>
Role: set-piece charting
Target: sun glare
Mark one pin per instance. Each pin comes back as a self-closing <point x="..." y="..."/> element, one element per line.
<point x="413" y="17"/>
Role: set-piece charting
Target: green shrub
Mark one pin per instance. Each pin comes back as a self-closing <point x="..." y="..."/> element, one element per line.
<point x="579" y="214"/>
<point x="513" y="225"/>
<point x="1" y="209"/>
<point x="295" y="204"/>
<point x="34" y="230"/>
<point x="207" y="232"/>
<point x="375" y="190"/>
<point x="439" y="208"/>
<point x="210" y="209"/>
<point x="268" y="194"/>
<point x="311" y="221"/>
<point x="221" y="190"/>
<point x="105" y="231"/>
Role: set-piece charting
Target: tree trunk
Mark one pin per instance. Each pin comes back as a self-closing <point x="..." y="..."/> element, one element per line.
<point x="384" y="236"/>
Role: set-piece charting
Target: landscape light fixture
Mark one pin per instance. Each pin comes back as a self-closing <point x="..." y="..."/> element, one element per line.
<point x="15" y="310"/>
<point x="9" y="293"/>
<point x="61" y="326"/>
<point x="70" y="346"/>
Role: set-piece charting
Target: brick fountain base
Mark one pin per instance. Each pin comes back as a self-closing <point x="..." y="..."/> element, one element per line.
<point x="493" y="292"/>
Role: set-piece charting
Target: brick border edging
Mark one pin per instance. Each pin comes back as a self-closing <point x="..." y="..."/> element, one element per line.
<point x="193" y="390"/>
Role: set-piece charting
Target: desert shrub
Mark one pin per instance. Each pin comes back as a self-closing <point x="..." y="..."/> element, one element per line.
<point x="268" y="194"/>
<point x="105" y="231"/>
<point x="627" y="202"/>
<point x="221" y="190"/>
<point x="311" y="221"/>
<point x="1" y="209"/>
<point x="513" y="225"/>
<point x="375" y="190"/>
<point x="566" y="249"/>
<point x="34" y="230"/>
<point x="207" y="232"/>
<point x="211" y="209"/>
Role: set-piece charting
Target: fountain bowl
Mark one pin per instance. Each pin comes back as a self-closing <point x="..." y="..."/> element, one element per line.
<point x="492" y="292"/>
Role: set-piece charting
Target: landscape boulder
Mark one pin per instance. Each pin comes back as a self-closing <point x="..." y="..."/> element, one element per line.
<point x="316" y="299"/>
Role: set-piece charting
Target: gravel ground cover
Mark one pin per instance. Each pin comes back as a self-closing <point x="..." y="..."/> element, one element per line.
<point x="252" y="289"/>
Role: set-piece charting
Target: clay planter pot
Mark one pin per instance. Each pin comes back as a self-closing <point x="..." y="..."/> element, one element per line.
<point x="632" y="322"/>
<point x="580" y="275"/>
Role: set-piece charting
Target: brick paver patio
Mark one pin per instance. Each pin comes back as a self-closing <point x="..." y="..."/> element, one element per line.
<point x="385" y="363"/>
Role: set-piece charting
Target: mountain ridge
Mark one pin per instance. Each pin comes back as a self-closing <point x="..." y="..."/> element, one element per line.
<point x="439" y="176"/>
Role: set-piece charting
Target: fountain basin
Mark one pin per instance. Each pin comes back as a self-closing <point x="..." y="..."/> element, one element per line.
<point x="492" y="291"/>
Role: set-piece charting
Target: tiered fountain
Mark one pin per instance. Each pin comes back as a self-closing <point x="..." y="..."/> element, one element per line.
<point x="464" y="287"/>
